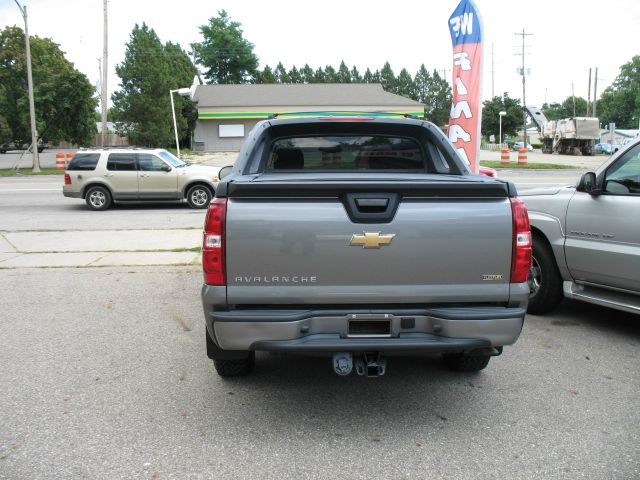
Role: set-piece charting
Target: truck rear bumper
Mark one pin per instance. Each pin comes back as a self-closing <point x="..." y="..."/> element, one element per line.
<point x="434" y="329"/>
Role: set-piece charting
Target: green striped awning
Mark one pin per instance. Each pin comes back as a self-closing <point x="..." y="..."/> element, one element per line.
<point x="262" y="114"/>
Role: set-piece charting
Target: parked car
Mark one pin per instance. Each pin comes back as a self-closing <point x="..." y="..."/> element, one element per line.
<point x="360" y="237"/>
<point x="605" y="148"/>
<point x="586" y="239"/>
<point x="518" y="145"/>
<point x="104" y="176"/>
<point x="6" y="147"/>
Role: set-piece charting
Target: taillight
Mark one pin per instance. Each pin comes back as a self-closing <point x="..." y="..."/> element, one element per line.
<point x="521" y="257"/>
<point x="213" y="243"/>
<point x="67" y="179"/>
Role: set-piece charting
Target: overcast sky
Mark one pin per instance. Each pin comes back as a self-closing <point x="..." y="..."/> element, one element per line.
<point x="569" y="36"/>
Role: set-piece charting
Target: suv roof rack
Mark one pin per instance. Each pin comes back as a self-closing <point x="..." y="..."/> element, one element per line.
<point x="119" y="147"/>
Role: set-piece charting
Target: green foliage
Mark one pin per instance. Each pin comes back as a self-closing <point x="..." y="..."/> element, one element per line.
<point x="224" y="52"/>
<point x="388" y="78"/>
<point x="556" y="111"/>
<point x="5" y="132"/>
<point x="511" y="122"/>
<point x="63" y="97"/>
<point x="142" y="107"/>
<point x="620" y="102"/>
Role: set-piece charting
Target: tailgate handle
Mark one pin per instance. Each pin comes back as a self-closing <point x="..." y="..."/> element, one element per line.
<point x="372" y="204"/>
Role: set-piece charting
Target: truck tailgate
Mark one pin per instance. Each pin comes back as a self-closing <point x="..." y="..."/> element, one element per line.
<point x="445" y="242"/>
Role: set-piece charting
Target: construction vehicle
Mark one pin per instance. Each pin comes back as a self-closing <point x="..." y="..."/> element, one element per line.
<point x="568" y="135"/>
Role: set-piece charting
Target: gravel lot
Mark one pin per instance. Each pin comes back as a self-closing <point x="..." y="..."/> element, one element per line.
<point x="104" y="375"/>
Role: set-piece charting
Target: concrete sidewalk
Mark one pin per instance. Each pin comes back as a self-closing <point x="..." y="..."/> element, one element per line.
<point x="41" y="249"/>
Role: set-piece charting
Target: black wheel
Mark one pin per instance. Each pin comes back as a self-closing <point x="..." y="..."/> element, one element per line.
<point x="2" y="150"/>
<point x="545" y="283"/>
<point x="98" y="198"/>
<point x="462" y="362"/>
<point x="199" y="196"/>
<point x="235" y="368"/>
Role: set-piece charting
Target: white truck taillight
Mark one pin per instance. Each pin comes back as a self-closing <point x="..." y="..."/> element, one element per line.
<point x="213" y="243"/>
<point x="521" y="256"/>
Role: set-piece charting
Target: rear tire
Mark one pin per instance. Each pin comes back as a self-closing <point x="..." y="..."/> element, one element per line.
<point x="462" y="362"/>
<point x="236" y="368"/>
<point x="98" y="198"/>
<point x="199" y="196"/>
<point x="545" y="282"/>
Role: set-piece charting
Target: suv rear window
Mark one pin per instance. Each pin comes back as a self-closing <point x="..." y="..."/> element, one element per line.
<point x="346" y="153"/>
<point x="121" y="162"/>
<point x="84" y="161"/>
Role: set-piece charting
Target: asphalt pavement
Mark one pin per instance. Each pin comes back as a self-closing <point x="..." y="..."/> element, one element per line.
<point x="104" y="373"/>
<point x="105" y="376"/>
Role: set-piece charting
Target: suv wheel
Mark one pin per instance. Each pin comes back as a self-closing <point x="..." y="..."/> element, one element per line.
<point x="199" y="196"/>
<point x="462" y="362"/>
<point x="98" y="198"/>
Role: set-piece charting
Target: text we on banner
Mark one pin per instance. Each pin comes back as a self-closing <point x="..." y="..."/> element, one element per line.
<point x="465" y="26"/>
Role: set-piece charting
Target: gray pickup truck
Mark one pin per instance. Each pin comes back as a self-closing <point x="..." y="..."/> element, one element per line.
<point x="360" y="237"/>
<point x="586" y="239"/>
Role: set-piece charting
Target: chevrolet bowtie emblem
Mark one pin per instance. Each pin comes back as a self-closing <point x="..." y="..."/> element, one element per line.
<point x="372" y="239"/>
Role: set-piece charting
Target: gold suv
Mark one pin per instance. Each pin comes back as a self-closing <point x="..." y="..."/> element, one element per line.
<point x="104" y="176"/>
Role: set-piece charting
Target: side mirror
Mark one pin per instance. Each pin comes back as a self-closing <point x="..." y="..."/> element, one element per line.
<point x="166" y="168"/>
<point x="589" y="184"/>
<point x="225" y="171"/>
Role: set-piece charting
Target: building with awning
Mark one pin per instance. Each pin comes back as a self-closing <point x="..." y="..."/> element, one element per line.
<point x="227" y="113"/>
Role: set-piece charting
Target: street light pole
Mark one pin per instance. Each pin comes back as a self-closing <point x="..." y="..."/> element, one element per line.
<point x="32" y="109"/>
<point x="179" y="91"/>
<point x="501" y="114"/>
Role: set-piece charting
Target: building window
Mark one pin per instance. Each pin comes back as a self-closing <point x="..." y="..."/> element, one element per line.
<point x="230" y="131"/>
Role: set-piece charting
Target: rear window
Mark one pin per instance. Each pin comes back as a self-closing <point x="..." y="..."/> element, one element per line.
<point x="121" y="162"/>
<point x="346" y="153"/>
<point x="84" y="161"/>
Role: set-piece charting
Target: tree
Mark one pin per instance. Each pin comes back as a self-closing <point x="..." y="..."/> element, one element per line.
<point x="620" y="102"/>
<point x="319" y="76"/>
<point x="438" y="100"/>
<point x="142" y="107"/>
<point x="64" y="98"/>
<point x="556" y="111"/>
<point x="265" y="76"/>
<point x="388" y="78"/>
<point x="511" y="122"/>
<point x="355" y="75"/>
<point x="224" y="52"/>
<point x="330" y="74"/>
<point x="294" y="75"/>
<point x="281" y="74"/>
<point x="343" y="75"/>
<point x="307" y="74"/>
<point x="404" y="84"/>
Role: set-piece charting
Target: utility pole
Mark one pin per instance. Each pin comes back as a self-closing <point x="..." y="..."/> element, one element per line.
<point x="595" y="93"/>
<point x="589" y="96"/>
<point x="32" y="109"/>
<point x="524" y="89"/>
<point x="103" y="93"/>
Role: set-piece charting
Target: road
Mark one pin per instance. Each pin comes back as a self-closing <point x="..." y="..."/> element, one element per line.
<point x="104" y="375"/>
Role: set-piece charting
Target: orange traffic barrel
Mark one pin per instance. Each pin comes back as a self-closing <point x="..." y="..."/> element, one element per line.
<point x="522" y="157"/>
<point x="60" y="162"/>
<point x="69" y="157"/>
<point x="505" y="157"/>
